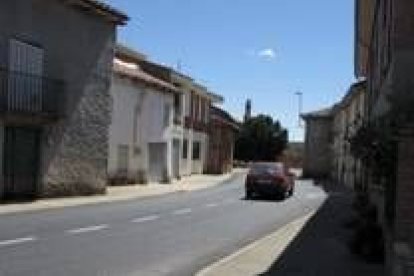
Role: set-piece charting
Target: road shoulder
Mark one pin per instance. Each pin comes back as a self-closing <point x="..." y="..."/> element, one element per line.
<point x="256" y="258"/>
<point x="123" y="193"/>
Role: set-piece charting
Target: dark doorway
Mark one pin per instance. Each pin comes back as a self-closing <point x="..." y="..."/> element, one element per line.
<point x="20" y="163"/>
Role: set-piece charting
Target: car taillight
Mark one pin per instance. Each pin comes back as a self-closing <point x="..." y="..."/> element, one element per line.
<point x="279" y="178"/>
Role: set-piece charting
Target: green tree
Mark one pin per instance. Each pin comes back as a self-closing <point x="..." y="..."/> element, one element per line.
<point x="261" y="139"/>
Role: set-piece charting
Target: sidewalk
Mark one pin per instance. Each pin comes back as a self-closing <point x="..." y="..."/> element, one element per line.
<point x="315" y="244"/>
<point x="122" y="193"/>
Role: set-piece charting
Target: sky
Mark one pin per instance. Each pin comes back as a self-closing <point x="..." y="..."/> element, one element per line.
<point x="263" y="50"/>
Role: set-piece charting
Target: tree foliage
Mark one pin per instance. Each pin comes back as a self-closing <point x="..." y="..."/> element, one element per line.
<point x="261" y="139"/>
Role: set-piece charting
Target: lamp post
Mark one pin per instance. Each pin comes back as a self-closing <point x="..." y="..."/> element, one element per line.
<point x="300" y="107"/>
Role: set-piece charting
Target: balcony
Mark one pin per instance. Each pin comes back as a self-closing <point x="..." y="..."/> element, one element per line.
<point x="29" y="99"/>
<point x="177" y="120"/>
<point x="196" y="125"/>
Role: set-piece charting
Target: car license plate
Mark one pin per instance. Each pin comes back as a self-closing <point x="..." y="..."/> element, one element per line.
<point x="263" y="181"/>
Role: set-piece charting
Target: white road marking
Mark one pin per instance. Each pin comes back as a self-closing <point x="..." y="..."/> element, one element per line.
<point x="229" y="201"/>
<point x="17" y="241"/>
<point x="145" y="219"/>
<point x="182" y="211"/>
<point x="87" y="229"/>
<point x="212" y="205"/>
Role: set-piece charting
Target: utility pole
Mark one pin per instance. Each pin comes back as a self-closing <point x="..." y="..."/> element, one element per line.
<point x="300" y="107"/>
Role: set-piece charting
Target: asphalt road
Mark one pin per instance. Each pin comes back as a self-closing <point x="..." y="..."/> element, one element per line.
<point x="175" y="234"/>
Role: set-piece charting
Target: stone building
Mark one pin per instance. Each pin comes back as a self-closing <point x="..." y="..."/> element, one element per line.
<point x="348" y="116"/>
<point x="318" y="144"/>
<point x="384" y="55"/>
<point x="222" y="136"/>
<point x="146" y="129"/>
<point x="55" y="72"/>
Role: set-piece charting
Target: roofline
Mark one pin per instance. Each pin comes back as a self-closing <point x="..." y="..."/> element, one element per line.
<point x="124" y="51"/>
<point x="314" y="115"/>
<point x="163" y="86"/>
<point x="350" y="94"/>
<point x="114" y="15"/>
<point x="306" y="116"/>
<point x="215" y="98"/>
<point x="228" y="119"/>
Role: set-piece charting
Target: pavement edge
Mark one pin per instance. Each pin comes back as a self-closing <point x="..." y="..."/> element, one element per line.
<point x="230" y="265"/>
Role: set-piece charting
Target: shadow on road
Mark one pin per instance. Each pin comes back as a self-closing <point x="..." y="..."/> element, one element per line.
<point x="268" y="199"/>
<point x="321" y="247"/>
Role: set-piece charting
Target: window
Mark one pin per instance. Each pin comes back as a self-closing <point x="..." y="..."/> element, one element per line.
<point x="177" y="108"/>
<point x="177" y="102"/>
<point x="167" y="109"/>
<point x="192" y="105"/>
<point x="207" y="111"/>
<point x="196" y="150"/>
<point x="26" y="91"/>
<point x="202" y="110"/>
<point x="185" y="149"/>
<point x="123" y="159"/>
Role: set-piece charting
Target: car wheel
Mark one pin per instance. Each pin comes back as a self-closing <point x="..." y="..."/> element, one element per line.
<point x="282" y="195"/>
<point x="291" y="192"/>
<point x="249" y="194"/>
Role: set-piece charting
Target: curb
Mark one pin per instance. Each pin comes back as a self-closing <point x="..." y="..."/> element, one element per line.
<point x="20" y="208"/>
<point x="271" y="246"/>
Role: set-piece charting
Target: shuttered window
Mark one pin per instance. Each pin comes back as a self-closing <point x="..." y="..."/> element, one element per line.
<point x="25" y="84"/>
<point x="123" y="159"/>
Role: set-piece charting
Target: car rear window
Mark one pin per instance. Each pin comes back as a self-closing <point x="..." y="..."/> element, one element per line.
<point x="266" y="168"/>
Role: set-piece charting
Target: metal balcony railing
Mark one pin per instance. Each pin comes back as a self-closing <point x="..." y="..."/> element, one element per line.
<point x="23" y="94"/>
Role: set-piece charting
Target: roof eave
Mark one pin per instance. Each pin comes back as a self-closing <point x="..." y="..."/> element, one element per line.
<point x="111" y="14"/>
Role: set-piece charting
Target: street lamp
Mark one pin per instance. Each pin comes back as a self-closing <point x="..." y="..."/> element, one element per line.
<point x="300" y="107"/>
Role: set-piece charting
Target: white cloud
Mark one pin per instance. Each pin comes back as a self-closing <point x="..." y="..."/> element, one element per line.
<point x="267" y="53"/>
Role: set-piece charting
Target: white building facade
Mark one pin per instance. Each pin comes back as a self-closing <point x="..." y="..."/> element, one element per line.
<point x="145" y="133"/>
<point x="192" y="113"/>
<point x="196" y="110"/>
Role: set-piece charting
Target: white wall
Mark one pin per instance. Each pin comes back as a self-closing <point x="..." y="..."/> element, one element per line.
<point x="137" y="120"/>
<point x="190" y="166"/>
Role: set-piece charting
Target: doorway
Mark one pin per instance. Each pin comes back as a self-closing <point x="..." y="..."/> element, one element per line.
<point x="176" y="150"/>
<point x="20" y="163"/>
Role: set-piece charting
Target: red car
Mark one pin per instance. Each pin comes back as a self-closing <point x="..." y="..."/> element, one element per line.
<point x="269" y="179"/>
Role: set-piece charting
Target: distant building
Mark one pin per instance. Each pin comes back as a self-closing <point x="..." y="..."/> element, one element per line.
<point x="248" y="110"/>
<point x="223" y="130"/>
<point x="293" y="155"/>
<point x="318" y="144"/>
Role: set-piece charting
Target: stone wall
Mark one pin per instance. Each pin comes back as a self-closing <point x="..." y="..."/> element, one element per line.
<point x="318" y="148"/>
<point x="404" y="220"/>
<point x="75" y="151"/>
<point x="78" y="49"/>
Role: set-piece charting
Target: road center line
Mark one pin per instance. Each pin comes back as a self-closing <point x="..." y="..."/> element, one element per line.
<point x="212" y="205"/>
<point x="87" y="229"/>
<point x="17" y="241"/>
<point x="145" y="219"/>
<point x="182" y="211"/>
